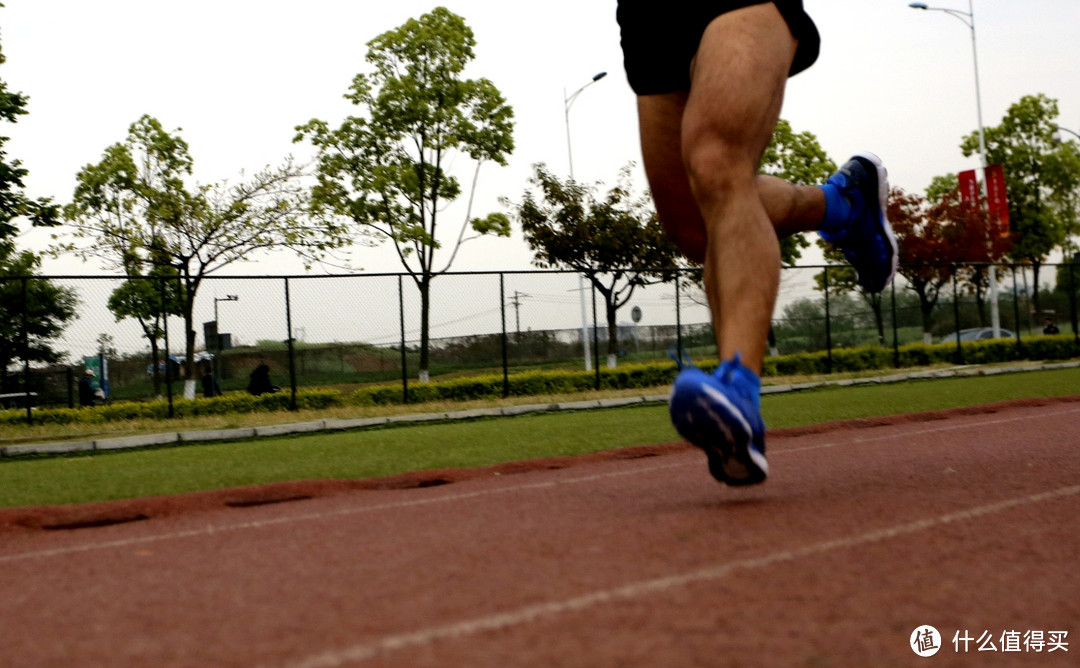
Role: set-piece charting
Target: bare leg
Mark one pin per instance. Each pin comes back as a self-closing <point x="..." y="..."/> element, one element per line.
<point x="792" y="209"/>
<point x="721" y="129"/>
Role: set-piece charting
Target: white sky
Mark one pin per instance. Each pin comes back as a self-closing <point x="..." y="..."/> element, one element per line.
<point x="238" y="75"/>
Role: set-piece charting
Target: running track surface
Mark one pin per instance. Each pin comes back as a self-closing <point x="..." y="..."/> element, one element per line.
<point x="966" y="522"/>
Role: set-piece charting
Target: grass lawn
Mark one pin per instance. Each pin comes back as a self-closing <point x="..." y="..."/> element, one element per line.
<point x="390" y="450"/>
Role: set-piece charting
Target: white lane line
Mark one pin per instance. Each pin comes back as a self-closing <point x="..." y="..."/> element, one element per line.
<point x="209" y="530"/>
<point x="531" y="613"/>
<point x="919" y="432"/>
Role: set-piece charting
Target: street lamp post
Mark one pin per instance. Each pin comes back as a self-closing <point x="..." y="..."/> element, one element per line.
<point x="568" y="101"/>
<point x="1058" y="130"/>
<point x="968" y="19"/>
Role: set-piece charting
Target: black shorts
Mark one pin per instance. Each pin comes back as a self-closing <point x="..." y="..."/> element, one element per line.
<point x="660" y="38"/>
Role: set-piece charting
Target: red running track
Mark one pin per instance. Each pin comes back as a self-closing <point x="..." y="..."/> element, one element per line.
<point x="967" y="523"/>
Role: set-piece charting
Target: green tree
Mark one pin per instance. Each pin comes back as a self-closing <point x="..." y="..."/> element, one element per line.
<point x="149" y="295"/>
<point x="44" y="307"/>
<point x="387" y="171"/>
<point x="136" y="202"/>
<point x="615" y="240"/>
<point x="1040" y="175"/>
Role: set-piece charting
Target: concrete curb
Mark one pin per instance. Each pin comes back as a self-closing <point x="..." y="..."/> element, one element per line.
<point x="336" y="424"/>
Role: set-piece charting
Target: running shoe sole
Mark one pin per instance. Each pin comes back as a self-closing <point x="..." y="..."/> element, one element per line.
<point x="711" y="421"/>
<point x="884" y="227"/>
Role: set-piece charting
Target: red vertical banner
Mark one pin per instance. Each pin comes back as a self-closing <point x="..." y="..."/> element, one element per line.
<point x="996" y="200"/>
<point x="969" y="188"/>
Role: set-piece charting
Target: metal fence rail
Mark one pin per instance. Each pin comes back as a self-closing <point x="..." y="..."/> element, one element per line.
<point x="353" y="330"/>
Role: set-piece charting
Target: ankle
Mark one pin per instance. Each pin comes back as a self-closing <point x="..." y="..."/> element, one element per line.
<point x="837" y="208"/>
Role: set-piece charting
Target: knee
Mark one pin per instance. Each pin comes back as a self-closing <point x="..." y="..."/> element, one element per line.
<point x="718" y="168"/>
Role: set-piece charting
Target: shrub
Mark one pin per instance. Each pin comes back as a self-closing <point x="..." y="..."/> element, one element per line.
<point x="533" y="383"/>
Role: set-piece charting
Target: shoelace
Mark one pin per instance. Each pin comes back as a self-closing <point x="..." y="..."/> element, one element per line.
<point x="725" y="371"/>
<point x="681" y="358"/>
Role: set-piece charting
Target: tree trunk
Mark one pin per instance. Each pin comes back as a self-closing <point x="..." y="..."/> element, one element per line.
<point x="425" y="321"/>
<point x="926" y="308"/>
<point x="613" y="332"/>
<point x="1035" y="308"/>
<point x="980" y="298"/>
<point x="154" y="354"/>
<point x="189" y="342"/>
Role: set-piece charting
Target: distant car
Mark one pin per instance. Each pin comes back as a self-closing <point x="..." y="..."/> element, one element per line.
<point x="976" y="334"/>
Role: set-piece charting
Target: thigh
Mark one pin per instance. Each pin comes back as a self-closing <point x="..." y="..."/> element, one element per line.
<point x="660" y="119"/>
<point x="737" y="87"/>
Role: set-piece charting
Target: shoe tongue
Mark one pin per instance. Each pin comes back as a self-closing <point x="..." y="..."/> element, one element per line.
<point x="734" y="369"/>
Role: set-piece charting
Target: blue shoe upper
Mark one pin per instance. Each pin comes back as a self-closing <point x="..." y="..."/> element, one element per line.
<point x="855" y="221"/>
<point x="721" y="414"/>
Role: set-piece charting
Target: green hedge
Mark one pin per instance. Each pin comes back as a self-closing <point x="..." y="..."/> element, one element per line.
<point x="159" y="408"/>
<point x="535" y="383"/>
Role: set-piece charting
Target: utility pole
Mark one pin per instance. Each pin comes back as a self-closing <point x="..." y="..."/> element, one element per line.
<point x="516" y="301"/>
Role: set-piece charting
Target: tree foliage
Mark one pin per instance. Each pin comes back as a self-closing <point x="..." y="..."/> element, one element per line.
<point x="615" y="239"/>
<point x="135" y="205"/>
<point x="387" y="169"/>
<point x="933" y="237"/>
<point x="149" y="295"/>
<point x="42" y="306"/>
<point x="1041" y="177"/>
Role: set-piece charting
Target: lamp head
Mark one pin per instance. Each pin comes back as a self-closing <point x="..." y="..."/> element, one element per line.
<point x="599" y="76"/>
<point x="918" y="5"/>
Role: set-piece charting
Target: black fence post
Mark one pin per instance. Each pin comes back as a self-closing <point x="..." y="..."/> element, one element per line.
<point x="1072" y="304"/>
<point x="828" y="325"/>
<point x="70" y="376"/>
<point x="404" y="359"/>
<point x="168" y="355"/>
<point x="26" y="351"/>
<point x="956" y="317"/>
<point x="289" y="341"/>
<point x="895" y="329"/>
<point x="1016" y="315"/>
<point x="595" y="336"/>
<point x="502" y="311"/>
<point x="678" y="318"/>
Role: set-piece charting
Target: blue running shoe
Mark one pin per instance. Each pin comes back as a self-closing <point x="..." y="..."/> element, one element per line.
<point x="721" y="414"/>
<point x="856" y="198"/>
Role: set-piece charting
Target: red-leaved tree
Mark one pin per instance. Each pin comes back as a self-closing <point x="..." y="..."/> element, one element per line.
<point x="932" y="239"/>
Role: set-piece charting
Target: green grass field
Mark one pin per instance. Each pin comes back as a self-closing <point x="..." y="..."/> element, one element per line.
<point x="390" y="450"/>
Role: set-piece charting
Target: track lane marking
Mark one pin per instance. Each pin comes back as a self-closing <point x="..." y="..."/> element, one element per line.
<point x="211" y="529"/>
<point x="524" y="615"/>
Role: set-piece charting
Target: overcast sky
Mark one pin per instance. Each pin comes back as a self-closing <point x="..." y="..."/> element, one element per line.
<point x="238" y="75"/>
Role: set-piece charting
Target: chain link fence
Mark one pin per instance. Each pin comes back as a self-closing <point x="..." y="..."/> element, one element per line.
<point x="345" y="332"/>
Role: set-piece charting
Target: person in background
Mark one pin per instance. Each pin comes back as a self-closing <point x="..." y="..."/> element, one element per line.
<point x="259" y="381"/>
<point x="86" y="389"/>
<point x="1050" y="327"/>
<point x="209" y="383"/>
